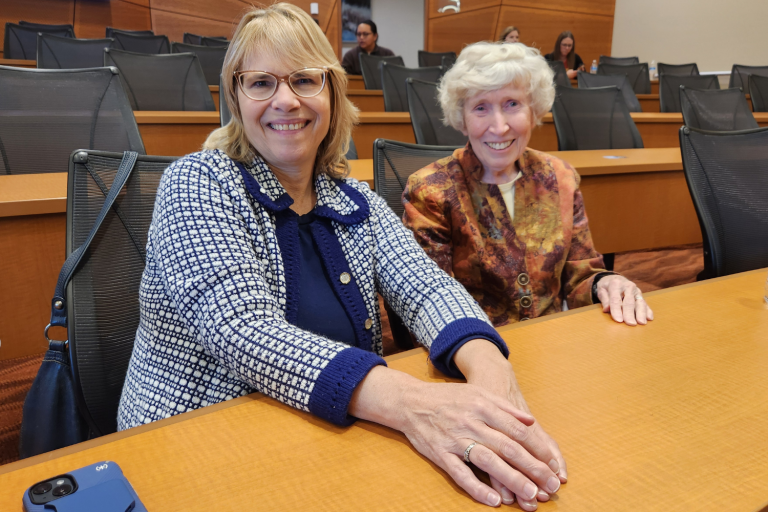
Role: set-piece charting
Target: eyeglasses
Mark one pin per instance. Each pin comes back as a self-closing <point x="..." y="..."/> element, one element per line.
<point x="261" y="85"/>
<point x="363" y="34"/>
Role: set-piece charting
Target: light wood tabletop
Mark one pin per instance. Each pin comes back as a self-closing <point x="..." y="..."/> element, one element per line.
<point x="18" y="63"/>
<point x="670" y="416"/>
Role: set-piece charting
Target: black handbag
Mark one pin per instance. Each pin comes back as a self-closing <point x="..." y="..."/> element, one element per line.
<point x="51" y="417"/>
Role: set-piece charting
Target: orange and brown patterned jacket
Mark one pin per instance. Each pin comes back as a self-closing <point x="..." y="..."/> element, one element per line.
<point x="518" y="269"/>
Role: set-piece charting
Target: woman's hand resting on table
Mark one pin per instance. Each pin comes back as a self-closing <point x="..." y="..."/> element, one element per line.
<point x="623" y="300"/>
<point x="484" y="366"/>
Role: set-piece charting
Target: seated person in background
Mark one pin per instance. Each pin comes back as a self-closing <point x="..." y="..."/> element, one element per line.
<point x="511" y="34"/>
<point x="565" y="52"/>
<point x="367" y="37"/>
<point x="263" y="267"/>
<point x="508" y="222"/>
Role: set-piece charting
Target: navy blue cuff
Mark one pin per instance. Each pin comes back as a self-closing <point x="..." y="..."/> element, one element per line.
<point x="453" y="336"/>
<point x="333" y="389"/>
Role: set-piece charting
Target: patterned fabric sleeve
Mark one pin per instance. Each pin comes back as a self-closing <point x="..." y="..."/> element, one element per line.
<point x="433" y="305"/>
<point x="215" y="276"/>
<point x="583" y="262"/>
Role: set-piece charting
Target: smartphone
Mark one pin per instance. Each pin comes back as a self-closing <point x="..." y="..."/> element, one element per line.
<point x="100" y="487"/>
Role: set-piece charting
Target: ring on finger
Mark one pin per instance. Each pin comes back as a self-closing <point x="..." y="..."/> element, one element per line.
<point x="639" y="297"/>
<point x="469" y="449"/>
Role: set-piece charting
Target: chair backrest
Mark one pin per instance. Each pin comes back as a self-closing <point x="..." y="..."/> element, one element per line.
<point x="426" y="116"/>
<point x="669" y="88"/>
<point x="740" y="73"/>
<point x="678" y="69"/>
<point x="214" y="41"/>
<point x="622" y="61"/>
<point x="141" y="43"/>
<point x="211" y="58"/>
<point x="593" y="119"/>
<point x="448" y="61"/>
<point x="394" y="162"/>
<point x="103" y="295"/>
<point x="393" y="83"/>
<point x="162" y="82"/>
<point x="716" y="110"/>
<point x="47" y="113"/>
<point x="192" y="39"/>
<point x="636" y="73"/>
<point x="727" y="175"/>
<point x="20" y="42"/>
<point x="55" y="52"/>
<point x="46" y="26"/>
<point x="561" y="75"/>
<point x="224" y="114"/>
<point x="432" y="59"/>
<point x="137" y="32"/>
<point x="758" y="92"/>
<point x="369" y="66"/>
<point x="589" y="81"/>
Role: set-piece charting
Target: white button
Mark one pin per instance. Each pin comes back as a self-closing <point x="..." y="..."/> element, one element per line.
<point x="345" y="278"/>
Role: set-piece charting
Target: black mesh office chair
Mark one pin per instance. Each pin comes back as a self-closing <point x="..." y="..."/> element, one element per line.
<point x="758" y="92"/>
<point x="140" y="43"/>
<point x="20" y="42"/>
<point x="716" y="110"/>
<point x="393" y="163"/>
<point x="393" y="83"/>
<point x="433" y="59"/>
<point x="669" y="88"/>
<point x="678" y="69"/>
<point x="162" y="82"/>
<point x="448" y="61"/>
<point x="589" y="81"/>
<point x="55" y="52"/>
<point x="561" y="76"/>
<point x="46" y="113"/>
<point x="369" y="66"/>
<point x="211" y="59"/>
<point x="621" y="61"/>
<point x="214" y="41"/>
<point x="103" y="295"/>
<point x="46" y="26"/>
<point x="426" y="116"/>
<point x="109" y="31"/>
<point x="740" y="73"/>
<point x="593" y="119"/>
<point x="637" y="74"/>
<point x="727" y="175"/>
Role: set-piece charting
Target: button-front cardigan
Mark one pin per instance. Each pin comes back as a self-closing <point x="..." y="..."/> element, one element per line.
<point x="219" y="291"/>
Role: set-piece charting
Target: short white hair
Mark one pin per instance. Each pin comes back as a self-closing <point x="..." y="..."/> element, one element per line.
<point x="486" y="66"/>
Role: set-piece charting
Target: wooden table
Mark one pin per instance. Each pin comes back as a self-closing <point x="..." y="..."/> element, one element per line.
<point x="355" y="82"/>
<point x="670" y="416"/>
<point x="18" y="63"/>
<point x="367" y="101"/>
<point x="654" y="85"/>
<point x="215" y="93"/>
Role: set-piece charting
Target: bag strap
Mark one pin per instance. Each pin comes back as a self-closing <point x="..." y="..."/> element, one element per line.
<point x="59" y="301"/>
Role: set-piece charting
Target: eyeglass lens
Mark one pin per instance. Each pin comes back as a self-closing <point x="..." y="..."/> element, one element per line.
<point x="258" y="85"/>
<point x="363" y="34"/>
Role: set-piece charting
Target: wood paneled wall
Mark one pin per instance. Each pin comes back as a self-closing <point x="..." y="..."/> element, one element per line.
<point x="168" y="17"/>
<point x="591" y="22"/>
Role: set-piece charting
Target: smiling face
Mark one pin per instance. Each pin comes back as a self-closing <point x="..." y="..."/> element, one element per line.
<point x="499" y="125"/>
<point x="566" y="45"/>
<point x="285" y="129"/>
<point x="512" y="37"/>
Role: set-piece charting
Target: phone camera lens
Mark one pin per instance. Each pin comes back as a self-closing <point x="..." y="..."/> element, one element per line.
<point x="42" y="488"/>
<point x="62" y="490"/>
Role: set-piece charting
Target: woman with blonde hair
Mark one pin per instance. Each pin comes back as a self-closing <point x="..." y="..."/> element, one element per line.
<point x="511" y="34"/>
<point x="263" y="267"/>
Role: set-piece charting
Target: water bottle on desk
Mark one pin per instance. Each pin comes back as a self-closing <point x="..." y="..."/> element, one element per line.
<point x="593" y="69"/>
<point x="652" y="70"/>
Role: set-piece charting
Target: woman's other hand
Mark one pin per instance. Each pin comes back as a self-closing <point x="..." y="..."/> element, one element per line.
<point x="442" y="420"/>
<point x="624" y="300"/>
<point x="572" y="73"/>
<point x="484" y="366"/>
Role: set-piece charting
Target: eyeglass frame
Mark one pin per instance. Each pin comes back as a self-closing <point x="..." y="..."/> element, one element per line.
<point x="280" y="79"/>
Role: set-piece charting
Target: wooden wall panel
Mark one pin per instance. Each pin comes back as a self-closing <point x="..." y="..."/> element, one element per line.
<point x="36" y="11"/>
<point x="603" y="7"/>
<point x="174" y="25"/>
<point x="466" y="6"/>
<point x="333" y="30"/>
<point x="540" y="28"/>
<point x="454" y="32"/>
<point x="221" y="10"/>
<point x="93" y="16"/>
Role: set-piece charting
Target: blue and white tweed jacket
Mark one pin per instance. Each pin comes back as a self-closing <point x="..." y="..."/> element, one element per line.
<point x="218" y="293"/>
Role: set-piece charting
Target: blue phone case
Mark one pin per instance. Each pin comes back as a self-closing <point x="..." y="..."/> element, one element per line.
<point x="100" y="487"/>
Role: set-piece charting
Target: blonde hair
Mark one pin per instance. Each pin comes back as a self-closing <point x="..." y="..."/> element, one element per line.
<point x="486" y="66"/>
<point x="286" y="33"/>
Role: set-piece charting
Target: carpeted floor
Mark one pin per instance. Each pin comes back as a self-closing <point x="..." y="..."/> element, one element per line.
<point x="651" y="270"/>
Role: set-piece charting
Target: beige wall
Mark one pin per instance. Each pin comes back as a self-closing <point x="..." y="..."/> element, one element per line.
<point x="713" y="33"/>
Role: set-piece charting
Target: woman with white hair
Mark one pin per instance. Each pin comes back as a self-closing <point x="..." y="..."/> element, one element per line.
<point x="263" y="267"/>
<point x="507" y="221"/>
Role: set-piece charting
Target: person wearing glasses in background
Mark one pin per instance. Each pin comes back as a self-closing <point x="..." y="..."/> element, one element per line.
<point x="367" y="37"/>
<point x="263" y="270"/>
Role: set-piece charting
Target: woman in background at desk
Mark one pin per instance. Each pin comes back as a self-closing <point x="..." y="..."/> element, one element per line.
<point x="263" y="267"/>
<point x="565" y="52"/>
<point x="511" y="34"/>
<point x="507" y="221"/>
